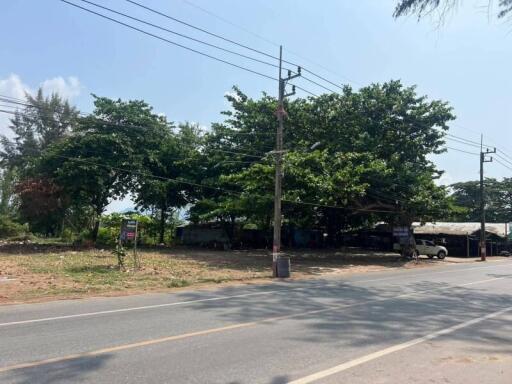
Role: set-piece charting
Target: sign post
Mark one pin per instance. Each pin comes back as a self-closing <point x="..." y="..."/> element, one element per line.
<point x="405" y="239"/>
<point x="129" y="232"/>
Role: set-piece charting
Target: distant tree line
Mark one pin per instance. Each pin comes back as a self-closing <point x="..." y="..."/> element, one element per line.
<point x="352" y="159"/>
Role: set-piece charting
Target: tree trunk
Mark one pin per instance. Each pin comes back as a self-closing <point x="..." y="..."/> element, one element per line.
<point x="331" y="228"/>
<point x="96" y="229"/>
<point x="162" y="225"/>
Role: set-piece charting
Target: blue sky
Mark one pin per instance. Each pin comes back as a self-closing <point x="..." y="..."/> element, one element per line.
<point x="465" y="62"/>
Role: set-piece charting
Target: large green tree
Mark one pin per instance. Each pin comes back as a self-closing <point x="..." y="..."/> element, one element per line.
<point x="498" y="200"/>
<point x="168" y="171"/>
<point x="42" y="122"/>
<point x="351" y="158"/>
<point x="101" y="161"/>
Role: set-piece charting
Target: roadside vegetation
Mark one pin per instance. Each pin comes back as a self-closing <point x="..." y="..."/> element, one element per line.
<point x="352" y="159"/>
<point x="55" y="271"/>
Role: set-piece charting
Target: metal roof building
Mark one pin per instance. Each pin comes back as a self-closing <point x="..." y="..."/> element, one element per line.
<point x="460" y="229"/>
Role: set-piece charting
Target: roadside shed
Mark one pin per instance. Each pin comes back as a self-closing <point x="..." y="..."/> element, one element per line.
<point x="461" y="239"/>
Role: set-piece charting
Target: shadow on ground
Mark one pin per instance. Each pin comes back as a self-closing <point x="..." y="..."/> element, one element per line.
<point x="304" y="262"/>
<point x="353" y="317"/>
<point x="356" y="316"/>
<point x="70" y="371"/>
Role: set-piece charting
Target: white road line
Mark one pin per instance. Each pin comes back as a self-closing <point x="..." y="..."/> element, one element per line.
<point x="395" y="348"/>
<point x="431" y="273"/>
<point x="284" y="290"/>
<point x="182" y="336"/>
<point x="132" y="309"/>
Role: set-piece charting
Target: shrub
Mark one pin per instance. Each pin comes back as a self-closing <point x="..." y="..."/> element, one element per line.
<point x="9" y="228"/>
<point x="107" y="236"/>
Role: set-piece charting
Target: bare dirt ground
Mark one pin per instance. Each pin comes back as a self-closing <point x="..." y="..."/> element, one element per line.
<point x="30" y="272"/>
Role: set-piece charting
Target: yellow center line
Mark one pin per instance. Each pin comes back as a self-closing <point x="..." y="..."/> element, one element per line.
<point x="144" y="343"/>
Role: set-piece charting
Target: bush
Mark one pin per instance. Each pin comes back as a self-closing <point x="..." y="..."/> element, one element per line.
<point x="9" y="228"/>
<point x="28" y="237"/>
<point x="107" y="236"/>
<point x="68" y="235"/>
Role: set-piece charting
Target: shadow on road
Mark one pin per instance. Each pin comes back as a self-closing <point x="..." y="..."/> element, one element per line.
<point x="375" y="316"/>
<point x="71" y="371"/>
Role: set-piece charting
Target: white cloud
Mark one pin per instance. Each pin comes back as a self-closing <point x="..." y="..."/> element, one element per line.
<point x="67" y="88"/>
<point x="121" y="205"/>
<point x="445" y="179"/>
<point x="13" y="86"/>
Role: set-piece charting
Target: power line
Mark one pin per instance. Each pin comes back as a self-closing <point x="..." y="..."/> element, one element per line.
<point x="5" y="111"/>
<point x="454" y="137"/>
<point x="175" y="43"/>
<point x="180" y="34"/>
<point x="215" y="150"/>
<point x="276" y="45"/>
<point x="503" y="158"/>
<point x="218" y="150"/>
<point x="462" y="151"/>
<point x="234" y="42"/>
<point x="505" y="154"/>
<point x="186" y="182"/>
<point x="90" y="115"/>
<point x="381" y="196"/>
<point x="231" y="23"/>
<point x="463" y="142"/>
<point x="233" y="151"/>
<point x="169" y="41"/>
<point x="201" y="29"/>
<point x="506" y="166"/>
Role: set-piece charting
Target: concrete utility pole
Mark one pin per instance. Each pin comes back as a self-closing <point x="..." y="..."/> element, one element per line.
<point x="281" y="114"/>
<point x="483" y="159"/>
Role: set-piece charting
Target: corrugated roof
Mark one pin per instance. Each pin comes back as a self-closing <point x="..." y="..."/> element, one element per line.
<point x="446" y="228"/>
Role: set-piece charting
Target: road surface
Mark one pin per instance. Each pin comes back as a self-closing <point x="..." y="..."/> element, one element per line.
<point x="450" y="324"/>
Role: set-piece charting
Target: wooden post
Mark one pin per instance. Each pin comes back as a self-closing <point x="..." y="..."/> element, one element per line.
<point x="135" y="257"/>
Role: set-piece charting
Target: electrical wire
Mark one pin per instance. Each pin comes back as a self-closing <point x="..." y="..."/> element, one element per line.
<point x="233" y="151"/>
<point x="462" y="142"/>
<point x="277" y="45"/>
<point x="169" y="41"/>
<point x="235" y="43"/>
<point x="179" y="34"/>
<point x="186" y="182"/>
<point x="210" y="149"/>
<point x="469" y="141"/>
<point x="504" y="165"/>
<point x="462" y="151"/>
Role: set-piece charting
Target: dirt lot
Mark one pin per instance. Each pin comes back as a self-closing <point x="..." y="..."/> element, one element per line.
<point x="44" y="272"/>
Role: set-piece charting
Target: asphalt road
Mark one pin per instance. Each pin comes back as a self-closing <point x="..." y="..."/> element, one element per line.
<point x="450" y="324"/>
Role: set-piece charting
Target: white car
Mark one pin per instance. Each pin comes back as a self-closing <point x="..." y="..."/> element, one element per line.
<point x="426" y="247"/>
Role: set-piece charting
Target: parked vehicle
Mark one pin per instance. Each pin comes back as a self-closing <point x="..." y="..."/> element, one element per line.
<point x="429" y="248"/>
